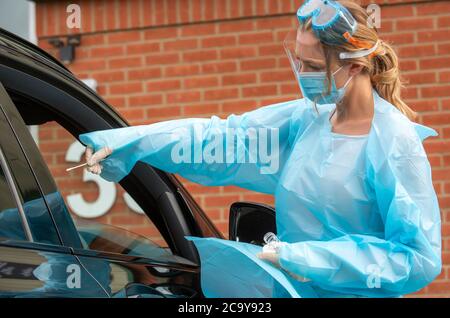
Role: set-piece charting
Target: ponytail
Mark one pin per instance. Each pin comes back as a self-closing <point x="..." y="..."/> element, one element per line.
<point x="385" y="78"/>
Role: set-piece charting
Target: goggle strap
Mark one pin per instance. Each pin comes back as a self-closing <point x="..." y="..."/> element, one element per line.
<point x="369" y="49"/>
<point x="357" y="43"/>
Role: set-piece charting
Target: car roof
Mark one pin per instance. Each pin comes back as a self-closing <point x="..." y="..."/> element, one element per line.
<point x="16" y="48"/>
<point x="27" y="48"/>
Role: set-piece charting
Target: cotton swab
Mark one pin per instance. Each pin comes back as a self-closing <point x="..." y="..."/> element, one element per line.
<point x="79" y="166"/>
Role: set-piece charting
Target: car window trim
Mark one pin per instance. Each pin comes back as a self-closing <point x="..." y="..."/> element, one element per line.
<point x="15" y="194"/>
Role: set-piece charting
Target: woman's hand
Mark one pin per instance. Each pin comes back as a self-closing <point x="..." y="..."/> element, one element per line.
<point x="271" y="257"/>
<point x="275" y="260"/>
<point x="93" y="159"/>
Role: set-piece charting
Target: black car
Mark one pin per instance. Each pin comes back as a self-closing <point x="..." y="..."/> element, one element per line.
<point x="44" y="251"/>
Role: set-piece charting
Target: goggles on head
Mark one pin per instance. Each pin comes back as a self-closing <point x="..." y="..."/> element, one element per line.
<point x="333" y="24"/>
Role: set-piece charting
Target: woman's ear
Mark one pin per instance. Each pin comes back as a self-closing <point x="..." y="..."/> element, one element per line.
<point x="355" y="69"/>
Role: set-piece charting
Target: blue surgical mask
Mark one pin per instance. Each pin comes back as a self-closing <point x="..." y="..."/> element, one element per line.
<point x="314" y="87"/>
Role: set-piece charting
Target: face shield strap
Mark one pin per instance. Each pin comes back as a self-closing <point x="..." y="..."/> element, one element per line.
<point x="368" y="49"/>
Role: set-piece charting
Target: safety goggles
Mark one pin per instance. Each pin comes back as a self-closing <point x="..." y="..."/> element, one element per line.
<point x="330" y="20"/>
<point x="333" y="24"/>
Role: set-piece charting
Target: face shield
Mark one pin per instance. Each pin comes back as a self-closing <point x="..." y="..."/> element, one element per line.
<point x="332" y="24"/>
<point x="310" y="72"/>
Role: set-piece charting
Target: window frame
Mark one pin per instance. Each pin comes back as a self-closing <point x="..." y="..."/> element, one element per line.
<point x="20" y="171"/>
<point x="15" y="195"/>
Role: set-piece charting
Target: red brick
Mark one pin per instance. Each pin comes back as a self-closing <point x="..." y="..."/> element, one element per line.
<point x="274" y="23"/>
<point x="444" y="175"/>
<point x="439" y="287"/>
<point x="444" y="22"/>
<point x="107" y="51"/>
<point x="160" y="34"/>
<point x="277" y="76"/>
<point x="218" y="41"/>
<point x="433" y="36"/>
<point x="166" y="111"/>
<point x="436" y="91"/>
<point x="417" y="50"/>
<point x="239" y="79"/>
<point x="238" y="52"/>
<point x="236" y="26"/>
<point x="407" y="65"/>
<point x="443" y="48"/>
<point x="143" y="48"/>
<point x="259" y="91"/>
<point x="146" y="100"/>
<point x="433" y="8"/>
<point x="271" y="49"/>
<point x="116" y="101"/>
<point x="425" y="105"/>
<point x="180" y="45"/>
<point x="109" y="76"/>
<point x="198" y="30"/>
<point x="200" y="82"/>
<point x="89" y="65"/>
<point x="444" y="77"/>
<point x="200" y="56"/>
<point x="125" y="62"/>
<point x="259" y="64"/>
<point x="256" y="38"/>
<point x="144" y="74"/>
<point x="126" y="88"/>
<point x="219" y="67"/>
<point x="239" y="106"/>
<point x="415" y="24"/>
<point x="183" y="97"/>
<point x="220" y="200"/>
<point x="439" y="118"/>
<point x="132" y="113"/>
<point x="396" y="11"/>
<point x="437" y="146"/>
<point x="163" y="85"/>
<point x="182" y="70"/>
<point x="220" y="94"/>
<point x="399" y="38"/>
<point x="194" y="110"/>
<point x="165" y="58"/>
<point x="435" y="63"/>
<point x="123" y="37"/>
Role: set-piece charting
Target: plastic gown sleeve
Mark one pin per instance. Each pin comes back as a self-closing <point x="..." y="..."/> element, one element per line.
<point x="209" y="151"/>
<point x="408" y="257"/>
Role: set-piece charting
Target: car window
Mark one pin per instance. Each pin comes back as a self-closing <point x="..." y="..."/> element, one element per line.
<point x="101" y="237"/>
<point x="11" y="226"/>
<point x="88" y="196"/>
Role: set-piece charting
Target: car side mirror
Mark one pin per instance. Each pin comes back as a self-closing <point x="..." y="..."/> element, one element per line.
<point x="249" y="221"/>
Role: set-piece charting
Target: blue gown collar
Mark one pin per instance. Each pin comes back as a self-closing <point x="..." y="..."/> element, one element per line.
<point x="383" y="106"/>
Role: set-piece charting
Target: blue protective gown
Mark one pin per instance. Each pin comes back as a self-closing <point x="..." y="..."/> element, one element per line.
<point x="359" y="215"/>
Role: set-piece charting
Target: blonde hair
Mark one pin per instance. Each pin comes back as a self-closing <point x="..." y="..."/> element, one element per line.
<point x="382" y="68"/>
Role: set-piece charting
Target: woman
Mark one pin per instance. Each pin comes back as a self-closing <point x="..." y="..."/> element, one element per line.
<point x="357" y="214"/>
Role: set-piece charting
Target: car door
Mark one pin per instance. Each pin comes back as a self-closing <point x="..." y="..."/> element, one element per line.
<point x="121" y="263"/>
<point x="114" y="270"/>
<point x="33" y="260"/>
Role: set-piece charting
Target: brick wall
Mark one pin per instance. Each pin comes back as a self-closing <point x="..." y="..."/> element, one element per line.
<point x="158" y="60"/>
